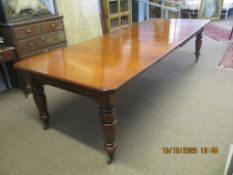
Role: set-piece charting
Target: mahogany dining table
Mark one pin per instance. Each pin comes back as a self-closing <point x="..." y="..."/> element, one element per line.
<point x="99" y="67"/>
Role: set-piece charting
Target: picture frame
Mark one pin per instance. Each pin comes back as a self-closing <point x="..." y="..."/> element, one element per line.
<point x="211" y="9"/>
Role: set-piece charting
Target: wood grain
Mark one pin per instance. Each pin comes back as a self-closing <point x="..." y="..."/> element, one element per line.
<point x="97" y="68"/>
<point x="121" y="54"/>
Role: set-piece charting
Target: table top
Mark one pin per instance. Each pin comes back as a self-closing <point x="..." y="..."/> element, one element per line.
<point x="107" y="62"/>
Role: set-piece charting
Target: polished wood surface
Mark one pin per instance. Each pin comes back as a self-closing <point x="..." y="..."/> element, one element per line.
<point x="107" y="62"/>
<point x="97" y="68"/>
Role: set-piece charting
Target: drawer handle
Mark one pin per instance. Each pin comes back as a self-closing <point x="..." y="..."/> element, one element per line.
<point x="52" y="25"/>
<point x="55" y="38"/>
<point x="28" y="30"/>
<point x="43" y="38"/>
<point x="31" y="44"/>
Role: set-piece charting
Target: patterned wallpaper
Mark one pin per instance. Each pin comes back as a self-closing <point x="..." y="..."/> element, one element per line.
<point x="81" y="19"/>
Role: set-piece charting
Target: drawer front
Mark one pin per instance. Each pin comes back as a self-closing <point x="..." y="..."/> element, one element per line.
<point x="40" y="42"/>
<point x="29" y="45"/>
<point x="27" y="31"/>
<point x="52" y="26"/>
<point x="53" y="38"/>
<point x="7" y="56"/>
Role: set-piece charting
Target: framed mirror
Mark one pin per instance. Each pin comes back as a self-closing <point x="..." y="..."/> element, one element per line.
<point x="211" y="9"/>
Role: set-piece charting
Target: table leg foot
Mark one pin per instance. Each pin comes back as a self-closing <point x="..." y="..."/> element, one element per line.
<point x="110" y="160"/>
<point x="40" y="100"/>
<point x="108" y="126"/>
<point x="198" y="44"/>
<point x="46" y="124"/>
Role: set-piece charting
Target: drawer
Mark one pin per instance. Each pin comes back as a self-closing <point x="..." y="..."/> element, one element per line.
<point x="53" y="38"/>
<point x="27" y="31"/>
<point x="52" y="26"/>
<point x="7" y="56"/>
<point x="40" y="42"/>
<point x="29" y="45"/>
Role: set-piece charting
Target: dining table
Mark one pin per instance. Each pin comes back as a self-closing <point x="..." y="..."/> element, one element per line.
<point x="99" y="67"/>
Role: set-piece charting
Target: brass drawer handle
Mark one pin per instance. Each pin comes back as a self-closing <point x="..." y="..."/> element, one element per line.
<point x="55" y="39"/>
<point x="52" y="25"/>
<point x="31" y="44"/>
<point x="43" y="38"/>
<point x="28" y="30"/>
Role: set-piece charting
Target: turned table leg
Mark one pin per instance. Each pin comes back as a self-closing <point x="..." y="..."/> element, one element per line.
<point x="108" y="120"/>
<point x="108" y="126"/>
<point x="198" y="44"/>
<point x="231" y="34"/>
<point x="40" y="100"/>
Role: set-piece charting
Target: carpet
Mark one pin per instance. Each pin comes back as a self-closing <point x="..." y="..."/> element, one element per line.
<point x="227" y="60"/>
<point x="177" y="102"/>
<point x="216" y="32"/>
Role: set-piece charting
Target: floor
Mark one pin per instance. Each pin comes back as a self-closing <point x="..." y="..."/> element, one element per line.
<point x="177" y="103"/>
<point x="225" y="23"/>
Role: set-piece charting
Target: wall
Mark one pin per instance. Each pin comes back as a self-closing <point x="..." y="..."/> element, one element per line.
<point x="81" y="19"/>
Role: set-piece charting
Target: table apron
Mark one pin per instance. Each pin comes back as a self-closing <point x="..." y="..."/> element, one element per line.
<point x="30" y="77"/>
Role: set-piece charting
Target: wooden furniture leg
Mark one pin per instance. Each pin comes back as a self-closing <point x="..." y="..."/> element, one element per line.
<point x="108" y="122"/>
<point x="231" y="34"/>
<point x="198" y="44"/>
<point x="4" y="77"/>
<point x="40" y="100"/>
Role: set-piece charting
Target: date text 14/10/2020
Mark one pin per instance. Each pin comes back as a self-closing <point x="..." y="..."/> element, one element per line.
<point x="190" y="150"/>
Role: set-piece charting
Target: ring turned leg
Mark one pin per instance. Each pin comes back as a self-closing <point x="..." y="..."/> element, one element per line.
<point x="198" y="44"/>
<point x="108" y="126"/>
<point x="40" y="100"/>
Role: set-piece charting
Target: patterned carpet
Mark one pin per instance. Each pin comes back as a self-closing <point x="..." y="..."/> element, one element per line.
<point x="227" y="60"/>
<point x="220" y="33"/>
<point x="216" y="32"/>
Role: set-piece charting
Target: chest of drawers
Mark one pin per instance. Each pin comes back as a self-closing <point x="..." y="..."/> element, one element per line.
<point x="34" y="37"/>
